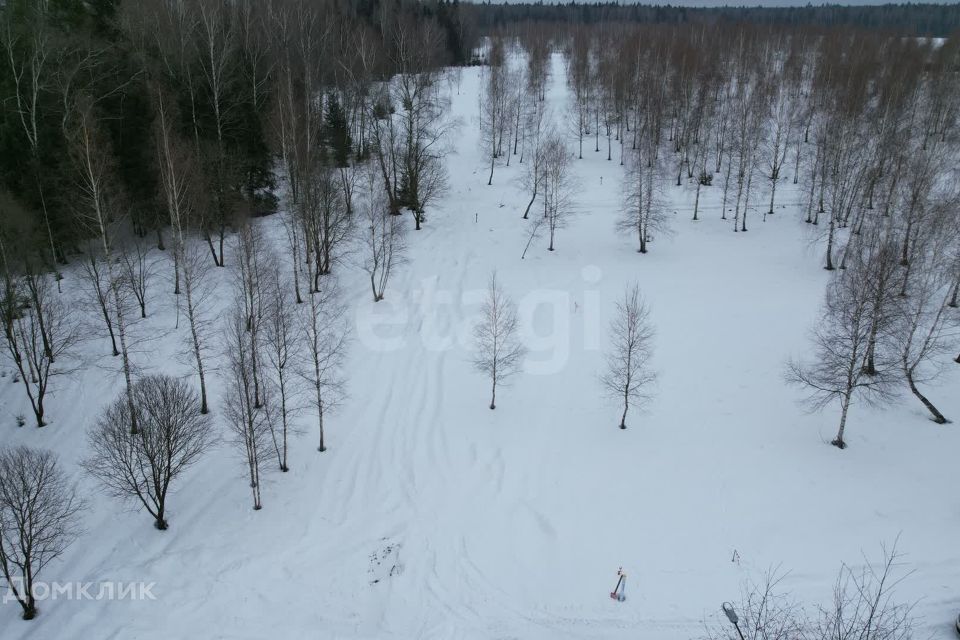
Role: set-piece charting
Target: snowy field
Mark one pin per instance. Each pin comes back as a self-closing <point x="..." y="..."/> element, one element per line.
<point x="431" y="516"/>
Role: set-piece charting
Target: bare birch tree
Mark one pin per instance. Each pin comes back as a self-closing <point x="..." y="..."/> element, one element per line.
<point x="628" y="375"/>
<point x="579" y="81"/>
<point x="643" y="211"/>
<point x="533" y="176"/>
<point x="255" y="261"/>
<point x="925" y="329"/>
<point x="137" y="270"/>
<point x="99" y="299"/>
<point x="422" y="116"/>
<point x="249" y="424"/>
<point x="325" y="339"/>
<point x="384" y="238"/>
<point x="279" y="346"/>
<point x="29" y="57"/>
<point x="559" y="185"/>
<point x="175" y="168"/>
<point x="776" y="144"/>
<point x="39" y="512"/>
<point x="493" y="114"/>
<point x="217" y="47"/>
<point x="324" y="219"/>
<point x="179" y="190"/>
<point x="840" y="342"/>
<point x="863" y="604"/>
<point x="196" y="306"/>
<point x="141" y="465"/>
<point x="40" y="336"/>
<point x="99" y="209"/>
<point x="499" y="352"/>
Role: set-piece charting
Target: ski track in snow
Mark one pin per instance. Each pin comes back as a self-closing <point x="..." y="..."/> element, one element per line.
<point x="431" y="516"/>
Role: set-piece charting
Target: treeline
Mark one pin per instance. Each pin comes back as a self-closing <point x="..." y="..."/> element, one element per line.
<point x="939" y="20"/>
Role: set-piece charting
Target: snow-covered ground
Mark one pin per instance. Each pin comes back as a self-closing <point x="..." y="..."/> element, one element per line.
<point x="431" y="516"/>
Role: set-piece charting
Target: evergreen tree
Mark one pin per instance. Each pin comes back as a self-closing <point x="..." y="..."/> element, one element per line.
<point x="336" y="132"/>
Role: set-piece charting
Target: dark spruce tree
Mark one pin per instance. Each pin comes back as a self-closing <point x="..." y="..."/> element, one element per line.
<point x="336" y="132"/>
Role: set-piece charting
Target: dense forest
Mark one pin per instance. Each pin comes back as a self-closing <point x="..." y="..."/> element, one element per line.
<point x="216" y="71"/>
<point x="937" y="20"/>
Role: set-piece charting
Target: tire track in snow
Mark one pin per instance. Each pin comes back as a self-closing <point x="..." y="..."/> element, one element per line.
<point x="400" y="456"/>
<point x="433" y="480"/>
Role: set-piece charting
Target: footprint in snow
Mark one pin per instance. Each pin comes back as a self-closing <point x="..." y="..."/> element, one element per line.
<point x="385" y="562"/>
